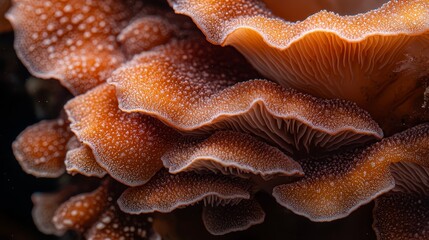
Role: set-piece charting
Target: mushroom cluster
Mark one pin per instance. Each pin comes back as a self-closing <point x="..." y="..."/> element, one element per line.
<point x="324" y="115"/>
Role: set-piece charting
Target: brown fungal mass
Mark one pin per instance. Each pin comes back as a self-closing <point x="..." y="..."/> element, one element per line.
<point x="166" y="192"/>
<point x="230" y="153"/>
<point x="96" y="216"/>
<point x="79" y="42"/>
<point x="40" y="149"/>
<point x="339" y="184"/>
<point x="127" y="145"/>
<point x="326" y="55"/>
<point x="185" y="85"/>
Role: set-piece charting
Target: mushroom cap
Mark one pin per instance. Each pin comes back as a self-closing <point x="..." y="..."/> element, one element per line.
<point x="81" y="160"/>
<point x="128" y="146"/>
<point x="41" y="148"/>
<point x="230" y="153"/>
<point x="185" y="84"/>
<point x="334" y="186"/>
<point x="326" y="55"/>
<point x="166" y="192"/>
<point x="221" y="220"/>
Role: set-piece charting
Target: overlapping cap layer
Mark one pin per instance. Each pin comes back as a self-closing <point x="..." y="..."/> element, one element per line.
<point x="367" y="58"/>
<point x="198" y="88"/>
<point x="335" y="186"/>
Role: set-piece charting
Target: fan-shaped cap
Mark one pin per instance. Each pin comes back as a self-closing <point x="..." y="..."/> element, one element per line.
<point x="81" y="211"/>
<point x="81" y="160"/>
<point x="230" y="153"/>
<point x="41" y="148"/>
<point x="335" y="186"/>
<point x="166" y="192"/>
<point x="349" y="57"/>
<point x="221" y="220"/>
<point x="185" y="85"/>
<point x="128" y="146"/>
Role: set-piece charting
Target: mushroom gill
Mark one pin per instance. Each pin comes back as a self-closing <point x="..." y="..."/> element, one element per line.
<point x="190" y="91"/>
<point x="355" y="57"/>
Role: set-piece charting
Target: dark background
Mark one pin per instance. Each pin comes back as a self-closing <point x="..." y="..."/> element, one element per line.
<point x="17" y="111"/>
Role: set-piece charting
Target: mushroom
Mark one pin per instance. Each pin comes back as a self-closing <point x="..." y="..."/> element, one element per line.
<point x="230" y="153"/>
<point x="119" y="139"/>
<point x="80" y="159"/>
<point x="340" y="183"/>
<point x="40" y="149"/>
<point x="403" y="213"/>
<point x="353" y="57"/>
<point x="185" y="85"/>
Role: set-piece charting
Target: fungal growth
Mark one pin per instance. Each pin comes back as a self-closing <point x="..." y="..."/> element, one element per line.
<point x="339" y="184"/>
<point x="165" y="122"/>
<point x="119" y="139"/>
<point x="193" y="93"/>
<point x="359" y="58"/>
<point x="41" y="148"/>
<point x="76" y="41"/>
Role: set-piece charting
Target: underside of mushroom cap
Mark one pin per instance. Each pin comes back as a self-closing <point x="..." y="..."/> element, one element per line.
<point x="221" y="220"/>
<point x="349" y="57"/>
<point x="128" y="146"/>
<point x="166" y="192"/>
<point x="185" y="85"/>
<point x="339" y="184"/>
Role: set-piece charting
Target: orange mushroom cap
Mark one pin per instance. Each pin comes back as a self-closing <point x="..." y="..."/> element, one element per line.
<point x="128" y="146"/>
<point x="166" y="192"/>
<point x="41" y="148"/>
<point x="80" y="159"/>
<point x="336" y="185"/>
